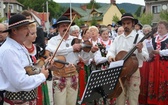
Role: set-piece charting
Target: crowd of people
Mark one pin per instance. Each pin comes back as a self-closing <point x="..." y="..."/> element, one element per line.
<point x="68" y="54"/>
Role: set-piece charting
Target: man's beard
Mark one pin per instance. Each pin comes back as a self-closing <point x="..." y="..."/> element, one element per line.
<point x="127" y="30"/>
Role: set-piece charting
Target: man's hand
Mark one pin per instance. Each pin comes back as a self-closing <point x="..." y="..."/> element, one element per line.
<point x="76" y="47"/>
<point x="111" y="59"/>
<point x="94" y="49"/>
<point x="139" y="47"/>
<point x="44" y="71"/>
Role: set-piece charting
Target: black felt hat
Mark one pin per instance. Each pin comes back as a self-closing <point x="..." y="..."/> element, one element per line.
<point x="127" y="16"/>
<point x="17" y="20"/>
<point x="140" y="25"/>
<point x="62" y="19"/>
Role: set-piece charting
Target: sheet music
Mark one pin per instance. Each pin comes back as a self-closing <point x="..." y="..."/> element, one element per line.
<point x="116" y="64"/>
<point x="149" y="47"/>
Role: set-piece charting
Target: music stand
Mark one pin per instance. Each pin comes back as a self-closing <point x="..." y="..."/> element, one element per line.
<point x="102" y="82"/>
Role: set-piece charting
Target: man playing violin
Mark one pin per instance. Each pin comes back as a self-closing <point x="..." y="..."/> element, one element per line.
<point x="125" y="42"/>
<point x="19" y="86"/>
<point x="65" y="80"/>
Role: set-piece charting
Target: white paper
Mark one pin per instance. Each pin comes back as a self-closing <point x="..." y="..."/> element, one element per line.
<point x="149" y="47"/>
<point x="116" y="64"/>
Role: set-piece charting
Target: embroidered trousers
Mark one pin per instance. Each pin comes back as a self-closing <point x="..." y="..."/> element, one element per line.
<point x="132" y="90"/>
<point x="65" y="90"/>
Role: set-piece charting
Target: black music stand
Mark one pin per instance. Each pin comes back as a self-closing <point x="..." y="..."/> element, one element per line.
<point x="101" y="83"/>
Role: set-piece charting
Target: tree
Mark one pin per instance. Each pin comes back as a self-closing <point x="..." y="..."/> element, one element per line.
<point x="54" y="8"/>
<point x="115" y="18"/>
<point x="145" y="18"/>
<point x="79" y="22"/>
<point x="164" y="15"/>
<point x="122" y="11"/>
<point x="2" y="19"/>
<point x="93" y="4"/>
<point x="93" y="22"/>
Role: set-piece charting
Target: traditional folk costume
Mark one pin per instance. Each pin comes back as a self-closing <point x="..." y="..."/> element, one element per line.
<point x="126" y="43"/>
<point x="65" y="80"/>
<point x="104" y="47"/>
<point x="158" y="79"/>
<point x="144" y="73"/>
<point x="35" y="53"/>
<point x="15" y="96"/>
<point x="132" y="84"/>
<point x="19" y="87"/>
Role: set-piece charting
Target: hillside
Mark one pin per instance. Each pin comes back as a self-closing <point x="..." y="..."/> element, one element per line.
<point x="128" y="7"/>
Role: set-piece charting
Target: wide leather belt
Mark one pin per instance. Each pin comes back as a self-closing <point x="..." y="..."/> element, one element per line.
<point x="65" y="72"/>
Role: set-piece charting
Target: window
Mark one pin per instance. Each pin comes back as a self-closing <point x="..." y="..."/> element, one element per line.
<point x="17" y="7"/>
<point x="156" y="9"/>
<point x="11" y="8"/>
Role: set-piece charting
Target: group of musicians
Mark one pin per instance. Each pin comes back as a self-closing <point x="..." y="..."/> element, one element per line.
<point x="70" y="57"/>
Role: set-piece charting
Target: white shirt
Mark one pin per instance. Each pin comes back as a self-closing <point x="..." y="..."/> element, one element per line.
<point x="67" y="51"/>
<point x="125" y="43"/>
<point x="13" y="77"/>
<point x="163" y="52"/>
<point x="107" y="43"/>
<point x="97" y="55"/>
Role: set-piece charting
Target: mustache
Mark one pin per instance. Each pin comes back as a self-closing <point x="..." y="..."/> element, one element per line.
<point x="64" y="30"/>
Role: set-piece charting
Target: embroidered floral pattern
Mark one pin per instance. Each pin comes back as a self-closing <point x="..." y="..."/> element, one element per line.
<point x="62" y="83"/>
<point x="74" y="82"/>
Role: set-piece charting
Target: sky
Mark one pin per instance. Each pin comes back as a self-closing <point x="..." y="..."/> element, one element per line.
<point x="140" y="2"/>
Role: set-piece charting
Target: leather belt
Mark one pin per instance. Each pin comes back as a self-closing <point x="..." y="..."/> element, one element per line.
<point x="65" y="72"/>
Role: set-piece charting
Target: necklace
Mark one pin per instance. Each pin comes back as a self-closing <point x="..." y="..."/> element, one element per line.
<point x="30" y="50"/>
<point x="109" y="42"/>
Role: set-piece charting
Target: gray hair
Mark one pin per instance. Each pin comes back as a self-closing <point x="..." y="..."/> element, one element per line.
<point x="94" y="27"/>
<point x="103" y="29"/>
<point x="148" y="27"/>
<point x="73" y="28"/>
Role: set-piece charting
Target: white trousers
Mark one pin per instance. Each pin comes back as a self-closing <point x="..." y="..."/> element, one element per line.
<point x="66" y="96"/>
<point x="132" y="90"/>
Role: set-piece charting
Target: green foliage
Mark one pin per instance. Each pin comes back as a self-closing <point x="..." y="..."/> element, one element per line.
<point x="93" y="22"/>
<point x="2" y="19"/>
<point x="79" y="22"/>
<point x="145" y="18"/>
<point x="40" y="5"/>
<point x="164" y="15"/>
<point x="138" y="12"/>
<point x="122" y="11"/>
<point x="115" y="18"/>
<point x="93" y="4"/>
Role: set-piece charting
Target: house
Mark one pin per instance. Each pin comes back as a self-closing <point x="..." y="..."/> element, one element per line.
<point x="103" y="15"/>
<point x="10" y="7"/>
<point x="155" y="7"/>
<point x="40" y="17"/>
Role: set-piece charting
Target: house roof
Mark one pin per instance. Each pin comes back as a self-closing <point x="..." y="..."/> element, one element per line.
<point x="81" y="11"/>
<point x="40" y="15"/>
<point x="12" y="1"/>
<point x="101" y="10"/>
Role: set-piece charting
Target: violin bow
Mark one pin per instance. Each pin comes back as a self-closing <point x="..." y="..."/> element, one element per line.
<point x="60" y="41"/>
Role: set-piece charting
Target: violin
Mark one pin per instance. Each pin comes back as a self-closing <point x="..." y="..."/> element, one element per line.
<point x="59" y="62"/>
<point x="85" y="46"/>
